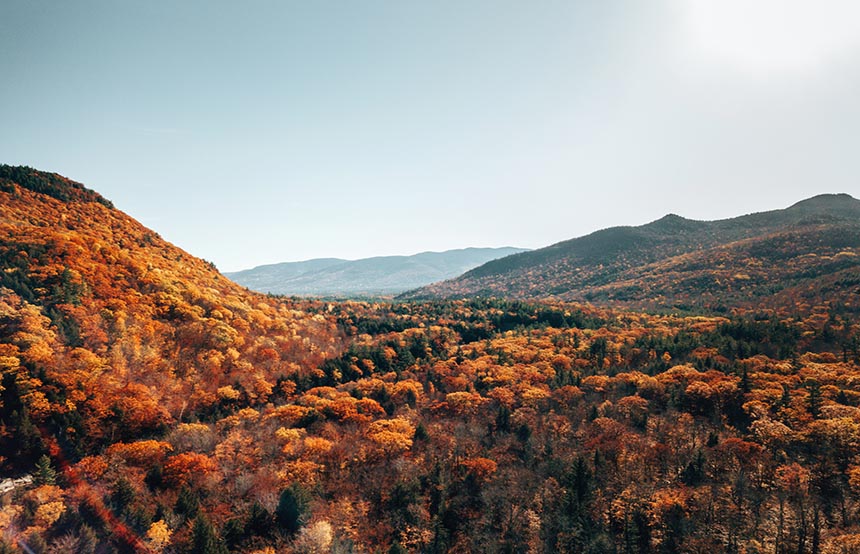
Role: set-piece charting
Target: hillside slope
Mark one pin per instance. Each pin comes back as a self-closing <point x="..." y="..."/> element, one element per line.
<point x="122" y="331"/>
<point x="381" y="275"/>
<point x="679" y="262"/>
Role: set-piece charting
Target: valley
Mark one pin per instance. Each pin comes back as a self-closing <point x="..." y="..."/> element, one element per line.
<point x="678" y="387"/>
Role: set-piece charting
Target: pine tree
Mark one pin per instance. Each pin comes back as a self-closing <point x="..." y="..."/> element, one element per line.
<point x="122" y="496"/>
<point x="187" y="503"/>
<point x="813" y="401"/>
<point x="259" y="522"/>
<point x="204" y="540"/>
<point x="292" y="506"/>
<point x="44" y="473"/>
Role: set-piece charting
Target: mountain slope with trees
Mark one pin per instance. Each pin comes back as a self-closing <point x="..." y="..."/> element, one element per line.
<point x="130" y="331"/>
<point x="676" y="262"/>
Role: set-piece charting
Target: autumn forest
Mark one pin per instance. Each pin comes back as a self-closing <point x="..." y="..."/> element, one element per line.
<point x="148" y="404"/>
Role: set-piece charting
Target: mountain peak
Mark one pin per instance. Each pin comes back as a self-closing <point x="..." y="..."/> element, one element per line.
<point x="674" y="223"/>
<point x="841" y="204"/>
<point x="827" y="197"/>
<point x="50" y="184"/>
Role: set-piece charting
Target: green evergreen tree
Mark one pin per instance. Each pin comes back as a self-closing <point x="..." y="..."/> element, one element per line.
<point x="233" y="533"/>
<point x="44" y="474"/>
<point x="694" y="473"/>
<point x="259" y="522"/>
<point x="813" y="401"/>
<point x="421" y="433"/>
<point x="187" y="503"/>
<point x="122" y="495"/>
<point x="204" y="540"/>
<point x="292" y="509"/>
<point x="637" y="534"/>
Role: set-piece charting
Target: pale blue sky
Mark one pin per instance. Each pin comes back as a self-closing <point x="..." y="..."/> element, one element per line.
<point x="262" y="131"/>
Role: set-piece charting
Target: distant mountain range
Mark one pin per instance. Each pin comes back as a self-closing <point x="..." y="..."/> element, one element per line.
<point x="811" y="249"/>
<point x="383" y="275"/>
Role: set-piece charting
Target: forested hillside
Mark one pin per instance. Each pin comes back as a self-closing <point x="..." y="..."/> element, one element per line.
<point x="111" y="333"/>
<point x="778" y="257"/>
<point x="157" y="407"/>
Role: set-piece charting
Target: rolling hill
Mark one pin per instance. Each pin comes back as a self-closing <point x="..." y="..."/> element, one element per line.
<point x="382" y="275"/>
<point x="126" y="331"/>
<point x="770" y="257"/>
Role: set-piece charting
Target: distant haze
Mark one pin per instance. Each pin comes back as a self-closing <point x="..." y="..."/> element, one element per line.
<point x="258" y="132"/>
<point x="383" y="275"/>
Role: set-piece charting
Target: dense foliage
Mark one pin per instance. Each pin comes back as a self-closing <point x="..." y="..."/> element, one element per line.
<point x="149" y="405"/>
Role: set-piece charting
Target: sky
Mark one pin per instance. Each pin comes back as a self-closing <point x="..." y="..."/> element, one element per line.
<point x="264" y="131"/>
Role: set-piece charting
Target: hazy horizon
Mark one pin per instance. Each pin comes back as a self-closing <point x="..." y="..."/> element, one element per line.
<point x="405" y="255"/>
<point x="267" y="132"/>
